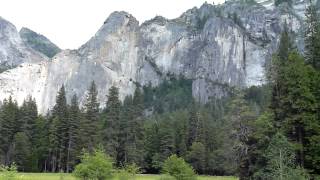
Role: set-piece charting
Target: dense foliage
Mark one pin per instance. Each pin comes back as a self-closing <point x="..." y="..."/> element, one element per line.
<point x="8" y="172"/>
<point x="97" y="166"/>
<point x="178" y="168"/>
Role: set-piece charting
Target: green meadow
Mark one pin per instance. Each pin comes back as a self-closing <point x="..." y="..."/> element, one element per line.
<point x="57" y="176"/>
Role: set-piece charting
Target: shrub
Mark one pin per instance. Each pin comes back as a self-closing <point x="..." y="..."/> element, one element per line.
<point x="8" y="172"/>
<point x="95" y="166"/>
<point x="128" y="172"/>
<point x="132" y="169"/>
<point x="280" y="159"/>
<point x="178" y="168"/>
<point x="124" y="175"/>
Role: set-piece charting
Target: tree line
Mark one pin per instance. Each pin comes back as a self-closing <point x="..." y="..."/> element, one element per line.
<point x="54" y="142"/>
<point x="283" y="142"/>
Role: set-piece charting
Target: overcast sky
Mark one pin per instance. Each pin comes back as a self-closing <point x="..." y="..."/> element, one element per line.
<point x="70" y="23"/>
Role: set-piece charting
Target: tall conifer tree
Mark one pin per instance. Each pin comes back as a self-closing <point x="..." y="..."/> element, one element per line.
<point x="60" y="116"/>
<point x="90" y="124"/>
<point x="10" y="125"/>
<point x="112" y="124"/>
<point x="312" y="36"/>
<point x="73" y="133"/>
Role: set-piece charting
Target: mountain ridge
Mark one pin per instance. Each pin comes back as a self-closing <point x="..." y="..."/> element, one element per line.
<point x="214" y="45"/>
<point x="38" y="42"/>
<point x="12" y="49"/>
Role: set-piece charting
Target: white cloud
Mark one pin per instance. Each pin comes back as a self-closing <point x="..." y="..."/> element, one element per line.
<point x="70" y="23"/>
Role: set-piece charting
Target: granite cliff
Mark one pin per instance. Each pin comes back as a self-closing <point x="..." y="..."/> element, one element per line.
<point x="217" y="46"/>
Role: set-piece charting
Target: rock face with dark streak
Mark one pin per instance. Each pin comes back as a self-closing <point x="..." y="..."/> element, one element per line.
<point x="217" y="46"/>
<point x="12" y="49"/>
<point x="39" y="42"/>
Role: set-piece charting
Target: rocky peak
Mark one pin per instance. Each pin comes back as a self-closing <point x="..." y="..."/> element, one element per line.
<point x="119" y="16"/>
<point x="159" y="20"/>
<point x="8" y="31"/>
<point x="6" y="27"/>
<point x="118" y="20"/>
<point x="39" y="42"/>
<point x="12" y="49"/>
<point x="115" y="25"/>
<point x="215" y="46"/>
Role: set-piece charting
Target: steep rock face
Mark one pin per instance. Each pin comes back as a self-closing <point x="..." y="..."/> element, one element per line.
<point x="213" y="57"/>
<point x="113" y="50"/>
<point x="215" y="46"/>
<point x="108" y="58"/>
<point x="12" y="49"/>
<point x="213" y="50"/>
<point x="39" y="42"/>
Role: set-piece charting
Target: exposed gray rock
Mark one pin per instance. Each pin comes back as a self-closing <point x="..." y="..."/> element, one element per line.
<point x="39" y="42"/>
<point x="215" y="46"/>
<point x="12" y="49"/>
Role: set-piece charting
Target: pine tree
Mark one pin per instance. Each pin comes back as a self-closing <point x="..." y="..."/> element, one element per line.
<point x="312" y="56"/>
<point x="166" y="139"/>
<point x="197" y="156"/>
<point x="73" y="134"/>
<point x="313" y="154"/>
<point x="196" y="126"/>
<point x="138" y="103"/>
<point x="60" y="116"/>
<point x="192" y="125"/>
<point x="40" y="148"/>
<point x="280" y="161"/>
<point x="293" y="100"/>
<point x="22" y="151"/>
<point x="28" y="115"/>
<point x="152" y="146"/>
<point x="135" y="125"/>
<point x="300" y="105"/>
<point x="286" y="44"/>
<point x="312" y="36"/>
<point x="10" y="125"/>
<point x="126" y="116"/>
<point x="90" y="124"/>
<point x="54" y="144"/>
<point x="241" y="117"/>
<point x="111" y="128"/>
<point x="159" y="141"/>
<point x="276" y="72"/>
<point x="181" y="132"/>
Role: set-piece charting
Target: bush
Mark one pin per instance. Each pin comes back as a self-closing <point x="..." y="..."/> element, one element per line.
<point x="95" y="166"/>
<point x="8" y="172"/>
<point x="132" y="169"/>
<point x="124" y="175"/>
<point x="178" y="168"/>
<point x="280" y="159"/>
<point x="128" y="172"/>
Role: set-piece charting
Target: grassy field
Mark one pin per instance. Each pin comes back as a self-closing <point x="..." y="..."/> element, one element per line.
<point x="52" y="176"/>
